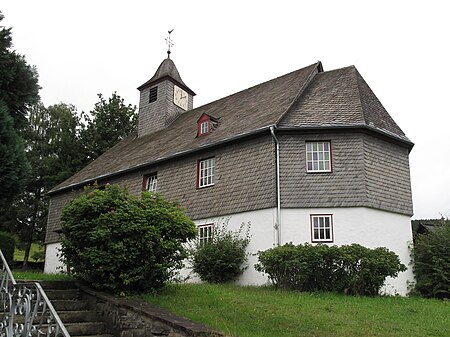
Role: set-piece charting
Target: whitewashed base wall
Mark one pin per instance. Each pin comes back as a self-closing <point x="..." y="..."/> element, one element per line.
<point x="367" y="227"/>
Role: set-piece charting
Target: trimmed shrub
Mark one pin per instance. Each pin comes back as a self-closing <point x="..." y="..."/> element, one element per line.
<point x="221" y="259"/>
<point x="119" y="242"/>
<point x="352" y="269"/>
<point x="7" y="245"/>
<point x="431" y="255"/>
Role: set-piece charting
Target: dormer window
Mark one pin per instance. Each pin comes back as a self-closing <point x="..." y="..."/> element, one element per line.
<point x="204" y="128"/>
<point x="206" y="124"/>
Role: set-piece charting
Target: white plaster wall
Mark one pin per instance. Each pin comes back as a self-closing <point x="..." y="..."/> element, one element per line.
<point x="368" y="227"/>
<point x="262" y="237"/>
<point x="52" y="263"/>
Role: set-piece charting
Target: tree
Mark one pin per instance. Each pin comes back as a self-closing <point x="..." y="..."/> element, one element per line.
<point x="109" y="122"/>
<point x="55" y="152"/>
<point x="117" y="242"/>
<point x="18" y="90"/>
<point x="431" y="256"/>
<point x="14" y="167"/>
<point x="19" y="87"/>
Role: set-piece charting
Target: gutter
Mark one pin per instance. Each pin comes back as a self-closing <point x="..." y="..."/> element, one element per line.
<point x="278" y="219"/>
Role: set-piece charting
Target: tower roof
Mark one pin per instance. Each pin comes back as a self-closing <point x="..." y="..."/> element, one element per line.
<point x="167" y="69"/>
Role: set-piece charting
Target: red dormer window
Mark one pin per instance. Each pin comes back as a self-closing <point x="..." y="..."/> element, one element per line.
<point x="206" y="124"/>
<point x="203" y="128"/>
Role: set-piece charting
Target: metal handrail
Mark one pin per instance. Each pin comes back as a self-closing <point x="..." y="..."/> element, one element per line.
<point x="25" y="309"/>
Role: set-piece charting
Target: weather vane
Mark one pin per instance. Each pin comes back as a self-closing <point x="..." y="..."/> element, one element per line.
<point x="169" y="43"/>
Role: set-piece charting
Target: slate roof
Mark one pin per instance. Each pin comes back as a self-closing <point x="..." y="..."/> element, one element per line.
<point x="305" y="98"/>
<point x="339" y="98"/>
<point x="242" y="113"/>
<point x="166" y="69"/>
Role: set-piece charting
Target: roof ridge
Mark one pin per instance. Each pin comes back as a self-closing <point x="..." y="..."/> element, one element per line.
<point x="356" y="72"/>
<point x="253" y="86"/>
<point x="318" y="67"/>
<point x="368" y="118"/>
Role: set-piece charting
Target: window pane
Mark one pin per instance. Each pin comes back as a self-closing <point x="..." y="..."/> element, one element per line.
<point x="322" y="228"/>
<point x="318" y="157"/>
<point x="206" y="172"/>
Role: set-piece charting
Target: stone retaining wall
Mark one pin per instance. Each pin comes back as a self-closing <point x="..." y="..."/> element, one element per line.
<point x="136" y="318"/>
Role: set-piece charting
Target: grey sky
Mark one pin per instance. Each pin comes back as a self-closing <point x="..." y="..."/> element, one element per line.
<point x="82" y="48"/>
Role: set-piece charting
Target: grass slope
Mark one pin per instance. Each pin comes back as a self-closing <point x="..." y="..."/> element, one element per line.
<point x="255" y="311"/>
<point x="35" y="247"/>
<point x="38" y="276"/>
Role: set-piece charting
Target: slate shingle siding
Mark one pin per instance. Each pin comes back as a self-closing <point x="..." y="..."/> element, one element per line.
<point x="342" y="188"/>
<point x="57" y="203"/>
<point x="366" y="171"/>
<point x="245" y="181"/>
<point x="387" y="177"/>
<point x="150" y="117"/>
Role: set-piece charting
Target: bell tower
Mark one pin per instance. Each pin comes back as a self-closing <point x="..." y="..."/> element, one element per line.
<point x="163" y="97"/>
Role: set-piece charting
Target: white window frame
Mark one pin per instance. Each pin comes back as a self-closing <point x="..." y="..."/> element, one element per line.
<point x="321" y="225"/>
<point x="151" y="183"/>
<point x="318" y="156"/>
<point x="205" y="233"/>
<point x="206" y="172"/>
<point x="204" y="127"/>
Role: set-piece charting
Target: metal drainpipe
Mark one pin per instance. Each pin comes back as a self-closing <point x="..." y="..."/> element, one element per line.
<point x="278" y="224"/>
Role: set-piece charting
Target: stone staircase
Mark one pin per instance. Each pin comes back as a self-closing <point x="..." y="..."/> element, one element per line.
<point x="77" y="313"/>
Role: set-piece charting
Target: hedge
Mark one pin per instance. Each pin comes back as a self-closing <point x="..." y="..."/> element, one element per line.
<point x="352" y="269"/>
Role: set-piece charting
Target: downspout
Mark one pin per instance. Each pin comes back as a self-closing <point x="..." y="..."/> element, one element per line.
<point x="278" y="218"/>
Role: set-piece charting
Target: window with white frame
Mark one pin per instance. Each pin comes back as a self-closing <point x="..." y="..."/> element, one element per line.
<point x="322" y="228"/>
<point x="151" y="183"/>
<point x="205" y="233"/>
<point x="206" y="170"/>
<point x="204" y="128"/>
<point x="318" y="157"/>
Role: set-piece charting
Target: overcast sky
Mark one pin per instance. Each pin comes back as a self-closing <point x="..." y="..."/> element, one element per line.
<point x="401" y="48"/>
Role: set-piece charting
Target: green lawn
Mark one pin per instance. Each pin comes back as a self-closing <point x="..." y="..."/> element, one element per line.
<point x="39" y="276"/>
<point x="256" y="311"/>
<point x="35" y="247"/>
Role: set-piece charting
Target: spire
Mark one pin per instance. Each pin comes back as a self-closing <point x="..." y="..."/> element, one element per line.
<point x="169" y="43"/>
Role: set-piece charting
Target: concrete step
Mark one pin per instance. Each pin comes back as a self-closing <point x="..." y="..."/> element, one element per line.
<point x="86" y="328"/>
<point x="70" y="305"/>
<point x="57" y="285"/>
<point x="103" y="335"/>
<point x="66" y="294"/>
<point x="78" y="316"/>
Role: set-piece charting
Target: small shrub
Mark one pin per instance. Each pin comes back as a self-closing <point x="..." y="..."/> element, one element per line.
<point x="352" y="269"/>
<point x="7" y="245"/>
<point x="222" y="258"/>
<point x="119" y="242"/>
<point x="431" y="256"/>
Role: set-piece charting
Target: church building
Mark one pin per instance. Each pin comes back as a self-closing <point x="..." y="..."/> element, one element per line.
<point x="310" y="156"/>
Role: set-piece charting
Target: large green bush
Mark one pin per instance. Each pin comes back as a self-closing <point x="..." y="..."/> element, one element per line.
<point x="7" y="245"/>
<point x="222" y="258"/>
<point x="119" y="242"/>
<point x="352" y="269"/>
<point x="431" y="256"/>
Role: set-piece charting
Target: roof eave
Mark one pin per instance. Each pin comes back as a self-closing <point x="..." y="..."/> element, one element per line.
<point x="403" y="140"/>
<point x="166" y="77"/>
<point x="162" y="159"/>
